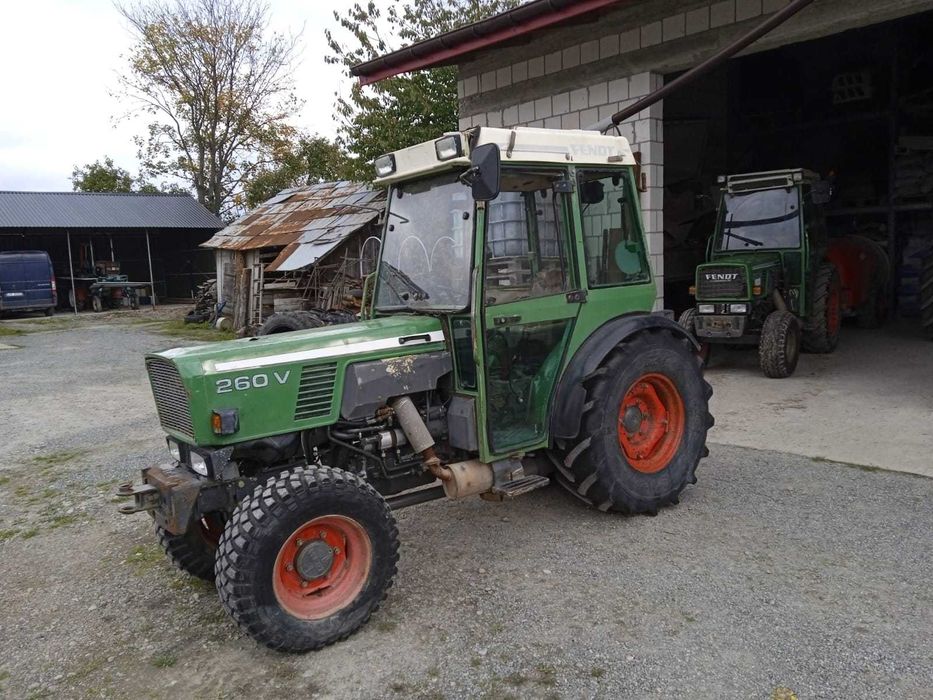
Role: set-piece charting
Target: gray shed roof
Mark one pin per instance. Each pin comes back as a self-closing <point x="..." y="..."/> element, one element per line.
<point x="103" y="210"/>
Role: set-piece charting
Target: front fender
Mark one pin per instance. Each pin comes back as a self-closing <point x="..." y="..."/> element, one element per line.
<point x="570" y="395"/>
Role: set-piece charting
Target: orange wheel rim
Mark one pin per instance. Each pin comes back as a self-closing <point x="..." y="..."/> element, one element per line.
<point x="322" y="567"/>
<point x="651" y="423"/>
<point x="833" y="313"/>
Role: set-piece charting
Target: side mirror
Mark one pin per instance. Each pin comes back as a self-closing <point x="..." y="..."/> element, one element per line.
<point x="484" y="172"/>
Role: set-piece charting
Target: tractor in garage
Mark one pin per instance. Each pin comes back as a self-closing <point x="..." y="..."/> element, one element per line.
<point x="507" y="341"/>
<point x="773" y="277"/>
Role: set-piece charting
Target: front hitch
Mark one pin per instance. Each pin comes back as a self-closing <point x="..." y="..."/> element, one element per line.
<point x="171" y="495"/>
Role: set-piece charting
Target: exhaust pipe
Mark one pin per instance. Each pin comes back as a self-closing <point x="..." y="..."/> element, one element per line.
<point x="461" y="479"/>
<point x="419" y="437"/>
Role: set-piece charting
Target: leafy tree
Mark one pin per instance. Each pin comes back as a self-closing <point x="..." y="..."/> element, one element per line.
<point x="101" y="177"/>
<point x="312" y="159"/>
<point x="218" y="85"/>
<point x="406" y="109"/>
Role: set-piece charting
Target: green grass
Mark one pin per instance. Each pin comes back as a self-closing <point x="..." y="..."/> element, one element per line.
<point x="55" y="458"/>
<point x="6" y="330"/>
<point x="145" y="557"/>
<point x="4" y="480"/>
<point x="30" y="533"/>
<point x="166" y="660"/>
<point x="8" y="534"/>
<point x="193" y="331"/>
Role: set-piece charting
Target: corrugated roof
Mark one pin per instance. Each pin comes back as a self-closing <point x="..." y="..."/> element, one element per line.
<point x="103" y="210"/>
<point x="307" y="222"/>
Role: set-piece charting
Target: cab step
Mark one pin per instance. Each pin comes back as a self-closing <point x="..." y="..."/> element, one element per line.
<point x="511" y="489"/>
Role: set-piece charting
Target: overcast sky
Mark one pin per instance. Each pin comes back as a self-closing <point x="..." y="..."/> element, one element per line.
<point x="58" y="64"/>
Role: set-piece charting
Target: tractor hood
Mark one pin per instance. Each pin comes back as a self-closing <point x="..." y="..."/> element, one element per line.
<point x="276" y="384"/>
<point x="751" y="260"/>
<point x="316" y="344"/>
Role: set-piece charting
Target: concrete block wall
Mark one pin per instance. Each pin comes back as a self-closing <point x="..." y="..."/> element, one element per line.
<point x="585" y="105"/>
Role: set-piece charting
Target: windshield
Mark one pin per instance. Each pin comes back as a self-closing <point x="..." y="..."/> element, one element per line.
<point x="761" y="219"/>
<point x="427" y="247"/>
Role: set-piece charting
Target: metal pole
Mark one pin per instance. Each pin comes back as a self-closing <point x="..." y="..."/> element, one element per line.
<point x="152" y="296"/>
<point x="71" y="266"/>
<point x="90" y="243"/>
<point x="704" y="67"/>
<point x="112" y="258"/>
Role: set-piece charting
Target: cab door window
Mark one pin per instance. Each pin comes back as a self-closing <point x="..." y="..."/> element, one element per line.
<point x="526" y="231"/>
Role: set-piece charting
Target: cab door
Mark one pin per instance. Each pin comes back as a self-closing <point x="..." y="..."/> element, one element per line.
<point x="530" y="298"/>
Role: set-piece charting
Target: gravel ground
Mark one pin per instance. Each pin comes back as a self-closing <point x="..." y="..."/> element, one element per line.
<point x="776" y="575"/>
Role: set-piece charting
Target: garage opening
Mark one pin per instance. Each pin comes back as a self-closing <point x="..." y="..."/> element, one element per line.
<point x="855" y="108"/>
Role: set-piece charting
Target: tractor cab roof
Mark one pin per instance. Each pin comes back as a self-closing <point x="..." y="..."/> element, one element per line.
<point x="767" y="180"/>
<point x="521" y="144"/>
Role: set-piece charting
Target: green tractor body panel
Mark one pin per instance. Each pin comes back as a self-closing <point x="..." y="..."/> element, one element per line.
<point x="277" y="383"/>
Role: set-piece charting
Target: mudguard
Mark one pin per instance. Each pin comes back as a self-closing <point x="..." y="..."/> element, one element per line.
<point x="570" y="395"/>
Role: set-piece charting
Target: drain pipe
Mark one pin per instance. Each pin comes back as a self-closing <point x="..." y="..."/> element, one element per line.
<point x="703" y="68"/>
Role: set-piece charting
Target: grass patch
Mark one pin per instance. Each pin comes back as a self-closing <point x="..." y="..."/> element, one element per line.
<point x="597" y="672"/>
<point x="386" y="625"/>
<point x="58" y="521"/>
<point x="4" y="480"/>
<point x="55" y="458"/>
<point x="8" y="534"/>
<point x="145" y="557"/>
<point x="193" y="331"/>
<point x="166" y="660"/>
<point x="30" y="533"/>
<point x="547" y="675"/>
<point x="516" y="680"/>
<point x="7" y="331"/>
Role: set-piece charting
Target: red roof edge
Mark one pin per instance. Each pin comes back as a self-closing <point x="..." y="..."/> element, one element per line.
<point x="459" y="42"/>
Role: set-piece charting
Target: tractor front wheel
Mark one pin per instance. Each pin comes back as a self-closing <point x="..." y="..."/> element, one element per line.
<point x="644" y="427"/>
<point x="688" y="320"/>
<point x="779" y="345"/>
<point x="307" y="558"/>
<point x="195" y="550"/>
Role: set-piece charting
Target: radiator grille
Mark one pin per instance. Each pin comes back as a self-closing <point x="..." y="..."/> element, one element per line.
<point x="708" y="287"/>
<point x="171" y="399"/>
<point x="316" y="391"/>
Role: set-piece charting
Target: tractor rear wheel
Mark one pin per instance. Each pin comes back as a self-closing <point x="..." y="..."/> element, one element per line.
<point x="822" y="332"/>
<point x="194" y="551"/>
<point x="779" y="345"/>
<point x="307" y="558"/>
<point x="644" y="426"/>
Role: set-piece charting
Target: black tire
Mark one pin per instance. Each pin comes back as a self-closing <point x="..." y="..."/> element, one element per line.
<point x="266" y="522"/>
<point x="688" y="321"/>
<point x="595" y="466"/>
<point x="779" y="345"/>
<point x="195" y="551"/>
<point x="290" y="321"/>
<point x="50" y="311"/>
<point x="821" y="334"/>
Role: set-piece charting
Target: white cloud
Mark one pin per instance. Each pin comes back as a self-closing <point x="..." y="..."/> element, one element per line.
<point x="60" y="59"/>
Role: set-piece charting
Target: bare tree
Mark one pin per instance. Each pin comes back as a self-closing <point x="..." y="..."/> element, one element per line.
<point x="218" y="84"/>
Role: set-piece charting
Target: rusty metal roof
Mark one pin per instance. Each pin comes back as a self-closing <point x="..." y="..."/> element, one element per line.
<point x="307" y="222"/>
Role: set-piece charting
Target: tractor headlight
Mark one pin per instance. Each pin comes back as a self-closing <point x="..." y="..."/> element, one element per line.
<point x="174" y="449"/>
<point x="706" y="308"/>
<point x="738" y="308"/>
<point x="448" y="147"/>
<point x="198" y="463"/>
<point x="385" y="165"/>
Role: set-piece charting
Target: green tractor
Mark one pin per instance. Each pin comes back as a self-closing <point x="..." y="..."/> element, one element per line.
<point x="506" y="341"/>
<point x="769" y="280"/>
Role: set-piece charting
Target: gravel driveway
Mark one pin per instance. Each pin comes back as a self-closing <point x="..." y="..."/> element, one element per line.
<point x="776" y="575"/>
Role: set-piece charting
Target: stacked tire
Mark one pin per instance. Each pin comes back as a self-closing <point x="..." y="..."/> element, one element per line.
<point x="303" y="320"/>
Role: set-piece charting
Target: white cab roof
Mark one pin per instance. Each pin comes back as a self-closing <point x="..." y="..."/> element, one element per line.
<point x="521" y="144"/>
